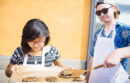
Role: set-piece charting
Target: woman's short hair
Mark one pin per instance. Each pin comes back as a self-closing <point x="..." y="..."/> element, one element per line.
<point x="116" y="14"/>
<point x="34" y="28"/>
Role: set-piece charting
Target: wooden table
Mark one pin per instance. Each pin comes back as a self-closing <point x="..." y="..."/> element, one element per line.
<point x="18" y="76"/>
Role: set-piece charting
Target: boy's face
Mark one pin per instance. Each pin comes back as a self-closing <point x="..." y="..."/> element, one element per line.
<point x="106" y="13"/>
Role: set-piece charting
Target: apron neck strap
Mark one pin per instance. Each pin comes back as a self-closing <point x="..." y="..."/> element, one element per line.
<point x="113" y="34"/>
<point x="43" y="58"/>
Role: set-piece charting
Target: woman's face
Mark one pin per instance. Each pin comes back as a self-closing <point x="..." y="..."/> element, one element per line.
<point x="105" y="12"/>
<point x="37" y="44"/>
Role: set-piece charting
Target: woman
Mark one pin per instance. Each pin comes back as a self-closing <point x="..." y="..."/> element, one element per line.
<point x="34" y="48"/>
<point x="110" y="47"/>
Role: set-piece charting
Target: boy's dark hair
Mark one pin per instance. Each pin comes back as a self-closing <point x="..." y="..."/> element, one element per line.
<point x="33" y="29"/>
<point x="98" y="3"/>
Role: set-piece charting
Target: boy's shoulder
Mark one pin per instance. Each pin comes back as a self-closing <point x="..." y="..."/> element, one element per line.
<point x="97" y="32"/>
<point x="122" y="26"/>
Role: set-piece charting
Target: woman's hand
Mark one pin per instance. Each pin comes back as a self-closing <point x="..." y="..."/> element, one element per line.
<point x="60" y="64"/>
<point x="14" y="68"/>
<point x="113" y="59"/>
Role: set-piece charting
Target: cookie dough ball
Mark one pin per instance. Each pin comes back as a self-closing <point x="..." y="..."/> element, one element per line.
<point x="30" y="79"/>
<point x="51" y="79"/>
<point x="65" y="72"/>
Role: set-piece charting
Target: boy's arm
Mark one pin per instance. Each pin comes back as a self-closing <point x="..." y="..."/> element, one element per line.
<point x="89" y="67"/>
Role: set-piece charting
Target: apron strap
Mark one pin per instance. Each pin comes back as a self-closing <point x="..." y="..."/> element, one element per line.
<point x="113" y="34"/>
<point x="43" y="57"/>
<point x="25" y="60"/>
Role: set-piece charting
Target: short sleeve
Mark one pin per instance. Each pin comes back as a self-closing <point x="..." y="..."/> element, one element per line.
<point x="126" y="33"/>
<point x="93" y="43"/>
<point x="129" y="37"/>
<point x="53" y="54"/>
<point x="17" y="57"/>
<point x="92" y="47"/>
<point x="13" y="59"/>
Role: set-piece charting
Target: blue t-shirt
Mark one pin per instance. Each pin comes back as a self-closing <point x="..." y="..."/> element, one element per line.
<point x="122" y="39"/>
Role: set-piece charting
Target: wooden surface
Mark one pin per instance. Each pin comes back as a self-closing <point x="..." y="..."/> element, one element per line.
<point x="18" y="76"/>
<point x="77" y="72"/>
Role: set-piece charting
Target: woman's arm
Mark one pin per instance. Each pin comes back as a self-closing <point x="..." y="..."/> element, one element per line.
<point x="8" y="71"/>
<point x="60" y="64"/>
<point x="114" y="58"/>
<point x="11" y="68"/>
